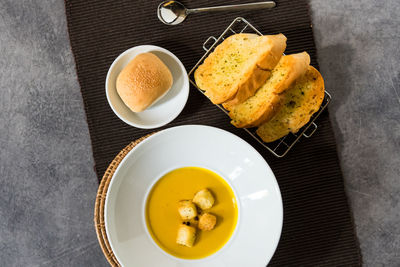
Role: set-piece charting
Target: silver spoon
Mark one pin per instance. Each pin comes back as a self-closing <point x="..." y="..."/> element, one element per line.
<point x="173" y="12"/>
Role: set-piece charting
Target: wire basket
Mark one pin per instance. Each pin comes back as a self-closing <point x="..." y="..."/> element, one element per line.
<point x="280" y="147"/>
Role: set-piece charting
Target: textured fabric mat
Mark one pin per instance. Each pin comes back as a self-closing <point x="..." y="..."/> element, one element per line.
<point x="318" y="229"/>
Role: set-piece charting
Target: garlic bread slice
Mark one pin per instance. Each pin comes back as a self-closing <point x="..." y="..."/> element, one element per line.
<point x="239" y="66"/>
<point x="300" y="102"/>
<point x="267" y="100"/>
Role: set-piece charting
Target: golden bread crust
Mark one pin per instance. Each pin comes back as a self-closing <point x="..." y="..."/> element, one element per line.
<point x="241" y="63"/>
<point x="266" y="102"/>
<point x="261" y="71"/>
<point x="299" y="103"/>
<point x="143" y="81"/>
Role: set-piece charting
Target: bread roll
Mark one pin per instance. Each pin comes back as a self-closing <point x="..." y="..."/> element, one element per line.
<point x="143" y="81"/>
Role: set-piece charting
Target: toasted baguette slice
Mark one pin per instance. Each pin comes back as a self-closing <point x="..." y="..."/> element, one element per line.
<point x="271" y="60"/>
<point x="266" y="102"/>
<point x="240" y="64"/>
<point x="300" y="102"/>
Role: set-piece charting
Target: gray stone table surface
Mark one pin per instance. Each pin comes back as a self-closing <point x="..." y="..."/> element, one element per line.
<point x="47" y="182"/>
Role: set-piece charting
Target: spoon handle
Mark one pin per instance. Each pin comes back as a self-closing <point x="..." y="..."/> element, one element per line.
<point x="249" y="6"/>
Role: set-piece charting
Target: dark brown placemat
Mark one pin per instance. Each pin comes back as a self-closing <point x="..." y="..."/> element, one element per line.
<point x="318" y="229"/>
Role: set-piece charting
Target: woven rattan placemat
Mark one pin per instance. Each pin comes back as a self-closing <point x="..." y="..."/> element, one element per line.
<point x="318" y="229"/>
<point x="101" y="198"/>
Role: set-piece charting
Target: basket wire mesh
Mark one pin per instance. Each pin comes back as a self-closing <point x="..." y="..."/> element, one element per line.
<point x="280" y="147"/>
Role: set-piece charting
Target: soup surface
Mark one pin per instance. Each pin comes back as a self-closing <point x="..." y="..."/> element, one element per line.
<point x="163" y="219"/>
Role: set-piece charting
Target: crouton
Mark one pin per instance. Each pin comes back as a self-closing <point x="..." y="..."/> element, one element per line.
<point x="187" y="209"/>
<point x="207" y="221"/>
<point x="204" y="199"/>
<point x="186" y="235"/>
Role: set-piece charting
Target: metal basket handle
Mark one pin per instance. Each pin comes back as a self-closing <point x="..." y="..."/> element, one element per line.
<point x="310" y="130"/>
<point x="205" y="44"/>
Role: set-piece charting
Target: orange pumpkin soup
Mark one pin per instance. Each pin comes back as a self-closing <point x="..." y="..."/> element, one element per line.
<point x="163" y="219"/>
